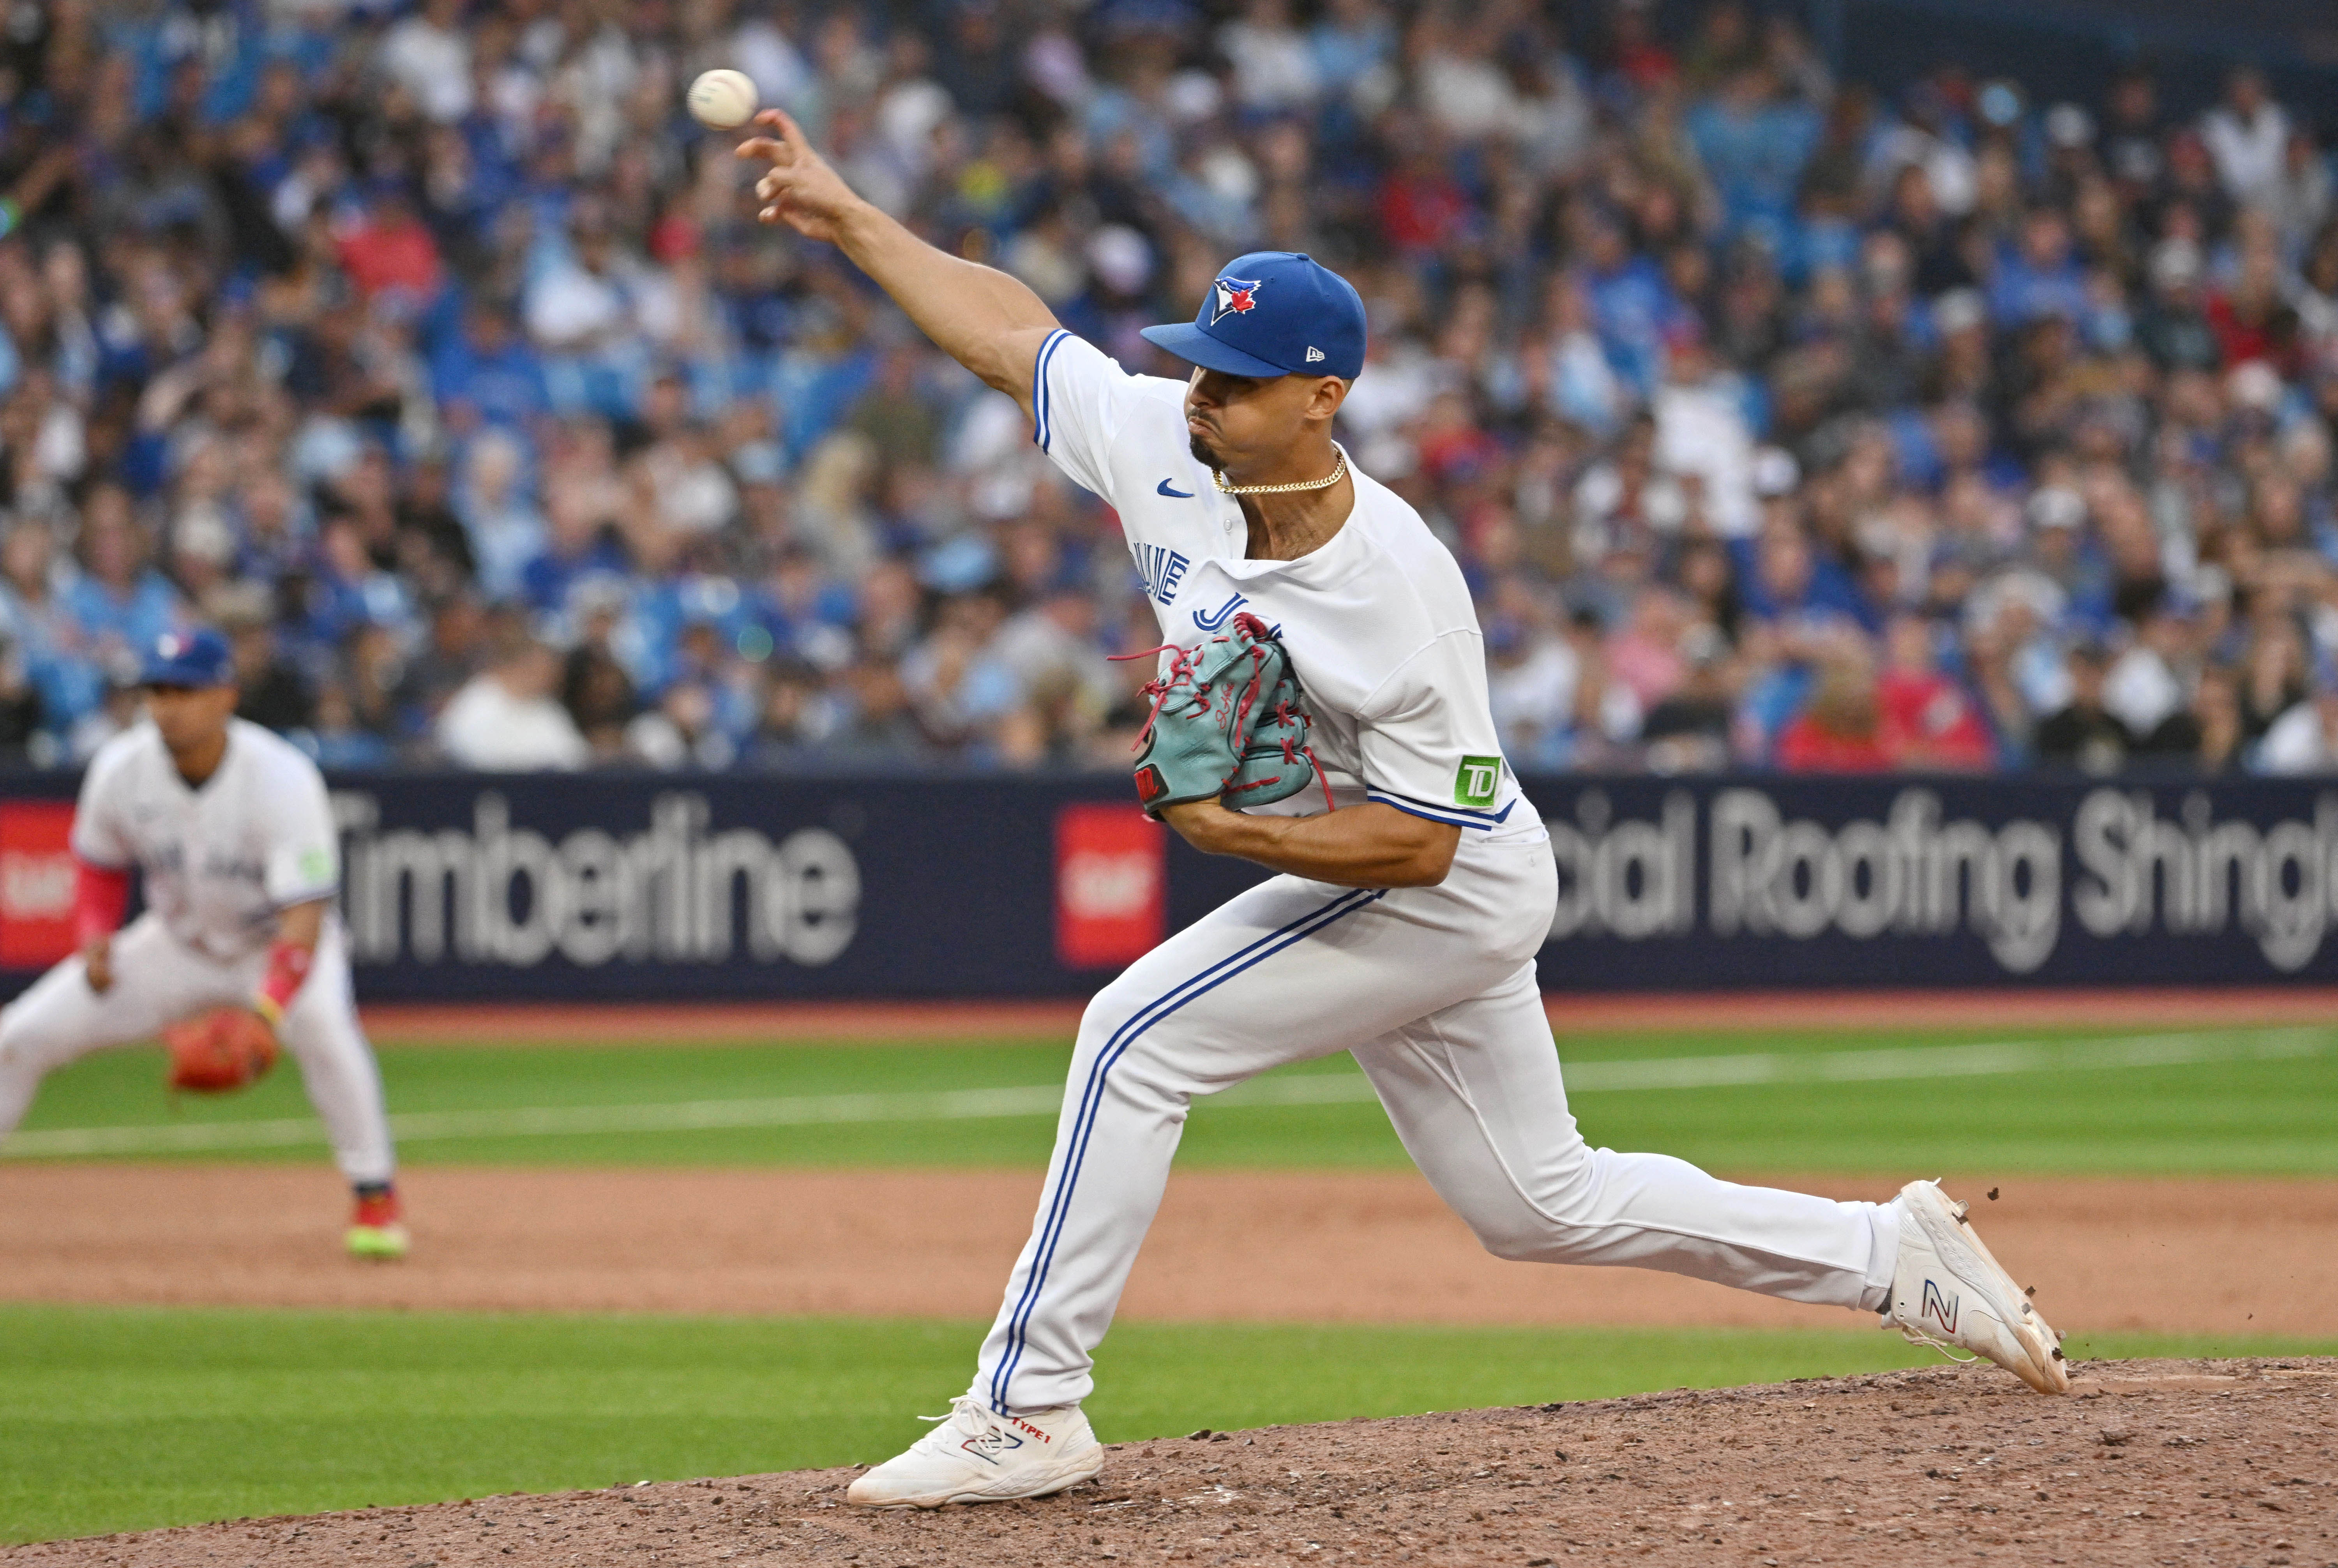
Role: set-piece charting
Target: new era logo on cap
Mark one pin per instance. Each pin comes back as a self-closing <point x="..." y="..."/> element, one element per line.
<point x="1313" y="354"/>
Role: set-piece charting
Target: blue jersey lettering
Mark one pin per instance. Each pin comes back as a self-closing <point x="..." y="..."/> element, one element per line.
<point x="1161" y="568"/>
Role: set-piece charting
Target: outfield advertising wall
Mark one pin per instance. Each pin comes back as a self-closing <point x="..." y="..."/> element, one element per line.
<point x="1754" y="883"/>
<point x="613" y="887"/>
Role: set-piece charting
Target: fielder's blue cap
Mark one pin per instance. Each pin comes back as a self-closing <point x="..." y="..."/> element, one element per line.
<point x="197" y="658"/>
<point x="1273" y="313"/>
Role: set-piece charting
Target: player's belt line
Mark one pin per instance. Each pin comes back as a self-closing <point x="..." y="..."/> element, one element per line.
<point x="1091" y="1100"/>
<point x="1303" y="1089"/>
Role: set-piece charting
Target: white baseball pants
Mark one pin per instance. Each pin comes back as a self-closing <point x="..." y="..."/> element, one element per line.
<point x="1433" y="989"/>
<point x="157" y="982"/>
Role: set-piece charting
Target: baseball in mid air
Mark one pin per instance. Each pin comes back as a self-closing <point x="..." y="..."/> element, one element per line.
<point x="723" y="99"/>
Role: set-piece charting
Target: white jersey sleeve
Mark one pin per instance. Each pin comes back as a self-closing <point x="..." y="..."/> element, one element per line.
<point x="304" y="861"/>
<point x="100" y="835"/>
<point x="1428" y="740"/>
<point x="1080" y="400"/>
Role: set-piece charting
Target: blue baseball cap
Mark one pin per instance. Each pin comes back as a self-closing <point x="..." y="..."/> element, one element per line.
<point x="197" y="658"/>
<point x="1273" y="313"/>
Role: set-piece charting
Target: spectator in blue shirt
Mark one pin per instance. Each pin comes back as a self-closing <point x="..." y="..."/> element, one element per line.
<point x="44" y="631"/>
<point x="1785" y="581"/>
<point x="1632" y="305"/>
<point x="577" y="544"/>
<point x="2038" y="276"/>
<point x="118" y="605"/>
<point x="488" y="372"/>
<point x="1754" y="144"/>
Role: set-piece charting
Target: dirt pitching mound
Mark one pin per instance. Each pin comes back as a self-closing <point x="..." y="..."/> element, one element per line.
<point x="2147" y="1462"/>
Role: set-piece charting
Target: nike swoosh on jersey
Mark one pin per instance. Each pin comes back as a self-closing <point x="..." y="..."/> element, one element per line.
<point x="1163" y="489"/>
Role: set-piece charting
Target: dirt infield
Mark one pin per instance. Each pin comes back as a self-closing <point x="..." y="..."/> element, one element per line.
<point x="548" y="1023"/>
<point x="2148" y="1463"/>
<point x="2180" y="1256"/>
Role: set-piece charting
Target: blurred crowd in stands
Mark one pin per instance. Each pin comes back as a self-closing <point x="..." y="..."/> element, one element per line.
<point x="433" y="352"/>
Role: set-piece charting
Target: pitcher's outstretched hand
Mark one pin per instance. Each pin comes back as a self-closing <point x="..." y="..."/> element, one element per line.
<point x="800" y="188"/>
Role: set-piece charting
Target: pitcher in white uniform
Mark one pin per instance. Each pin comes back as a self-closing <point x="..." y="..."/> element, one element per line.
<point x="1404" y="926"/>
<point x="230" y="826"/>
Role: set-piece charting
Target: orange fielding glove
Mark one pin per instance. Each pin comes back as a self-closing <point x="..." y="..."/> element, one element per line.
<point x="223" y="1049"/>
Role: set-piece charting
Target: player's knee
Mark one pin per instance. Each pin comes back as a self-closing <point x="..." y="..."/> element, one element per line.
<point x="1513" y="1231"/>
<point x="1132" y="1066"/>
<point x="18" y="1041"/>
<point x="1107" y="1015"/>
<point x="1543" y="1228"/>
<point x="1535" y="1224"/>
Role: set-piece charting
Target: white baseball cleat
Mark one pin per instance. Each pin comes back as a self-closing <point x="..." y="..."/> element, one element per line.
<point x="978" y="1455"/>
<point x="1948" y="1292"/>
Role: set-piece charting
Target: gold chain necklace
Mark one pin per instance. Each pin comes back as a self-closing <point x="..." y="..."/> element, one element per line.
<point x="1339" y="471"/>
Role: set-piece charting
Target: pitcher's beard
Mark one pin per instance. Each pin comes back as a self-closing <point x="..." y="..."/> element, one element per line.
<point x="1205" y="455"/>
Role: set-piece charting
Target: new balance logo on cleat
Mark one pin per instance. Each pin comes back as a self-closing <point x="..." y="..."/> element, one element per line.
<point x="993" y="1447"/>
<point x="1940" y="1309"/>
<point x="1948" y="1292"/>
<point x="979" y="1456"/>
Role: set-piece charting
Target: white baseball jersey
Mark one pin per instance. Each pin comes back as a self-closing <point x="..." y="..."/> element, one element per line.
<point x="1378" y="621"/>
<point x="222" y="858"/>
<point x="219" y="861"/>
<point x="1433" y="989"/>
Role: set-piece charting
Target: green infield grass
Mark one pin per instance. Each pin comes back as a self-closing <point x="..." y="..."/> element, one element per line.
<point x="2230" y="1101"/>
<point x="116" y="1418"/>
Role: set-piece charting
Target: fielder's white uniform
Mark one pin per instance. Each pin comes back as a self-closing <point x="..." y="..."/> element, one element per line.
<point x="219" y="860"/>
<point x="1433" y="989"/>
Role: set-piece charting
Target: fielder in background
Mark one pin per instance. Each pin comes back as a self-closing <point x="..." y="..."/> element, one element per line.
<point x="1324" y="670"/>
<point x="239" y="947"/>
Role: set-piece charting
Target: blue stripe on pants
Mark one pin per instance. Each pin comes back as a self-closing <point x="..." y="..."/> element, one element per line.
<point x="1092" y="1100"/>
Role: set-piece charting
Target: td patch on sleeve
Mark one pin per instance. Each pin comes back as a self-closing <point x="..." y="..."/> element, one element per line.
<point x="1476" y="783"/>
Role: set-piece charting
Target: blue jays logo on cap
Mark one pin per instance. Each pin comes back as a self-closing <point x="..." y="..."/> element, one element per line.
<point x="1273" y="313"/>
<point x="1233" y="297"/>
<point x="198" y="658"/>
